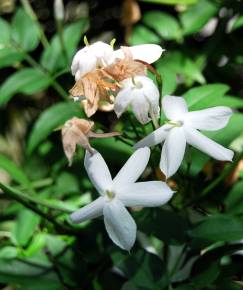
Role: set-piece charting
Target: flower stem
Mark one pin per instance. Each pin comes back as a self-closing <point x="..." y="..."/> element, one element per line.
<point x="35" y="65"/>
<point x="30" y="203"/>
<point x="29" y="10"/>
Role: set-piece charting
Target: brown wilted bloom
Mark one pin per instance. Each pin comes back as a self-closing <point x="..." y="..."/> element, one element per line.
<point x="100" y="86"/>
<point x="77" y="132"/>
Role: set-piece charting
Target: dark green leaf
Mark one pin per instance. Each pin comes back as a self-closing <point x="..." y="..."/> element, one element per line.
<point x="27" y="81"/>
<point x="141" y="35"/>
<point x="8" y="253"/>
<point x="13" y="170"/>
<point x="25" y="32"/>
<point x="26" y="223"/>
<point x="53" y="57"/>
<point x="219" y="228"/>
<point x="164" y="24"/>
<point x="50" y="119"/>
<point x="196" y="16"/>
<point x="171" y="2"/>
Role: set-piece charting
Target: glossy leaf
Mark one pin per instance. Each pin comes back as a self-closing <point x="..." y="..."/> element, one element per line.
<point x="25" y="32"/>
<point x="49" y="120"/>
<point x="164" y="24"/>
<point x="27" y="81"/>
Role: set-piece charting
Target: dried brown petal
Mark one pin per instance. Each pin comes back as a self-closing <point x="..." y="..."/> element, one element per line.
<point x="75" y="132"/>
<point x="126" y="68"/>
<point x="95" y="86"/>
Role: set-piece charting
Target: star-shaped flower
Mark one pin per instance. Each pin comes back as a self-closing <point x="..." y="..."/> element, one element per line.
<point x="120" y="192"/>
<point x="182" y="128"/>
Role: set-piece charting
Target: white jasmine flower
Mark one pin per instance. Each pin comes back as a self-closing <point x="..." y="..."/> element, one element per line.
<point x="182" y="128"/>
<point x="120" y="192"/>
<point x="100" y="54"/>
<point x="142" y="94"/>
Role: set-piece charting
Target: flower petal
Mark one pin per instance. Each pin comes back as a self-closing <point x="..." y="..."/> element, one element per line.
<point x="98" y="171"/>
<point x="156" y="137"/>
<point x="122" y="101"/>
<point x="119" y="224"/>
<point x="145" y="194"/>
<point x="173" y="151"/>
<point x="140" y="107"/>
<point x="174" y="107"/>
<point x="133" y="168"/>
<point x="90" y="211"/>
<point x="208" y="146"/>
<point x="209" y="119"/>
<point x="146" y="52"/>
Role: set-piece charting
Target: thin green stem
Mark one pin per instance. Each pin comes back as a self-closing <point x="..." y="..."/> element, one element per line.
<point x="30" y="204"/>
<point x="160" y="85"/>
<point x="133" y="126"/>
<point x="28" y="8"/>
<point x="36" y="65"/>
<point x="35" y="200"/>
<point x="61" y="38"/>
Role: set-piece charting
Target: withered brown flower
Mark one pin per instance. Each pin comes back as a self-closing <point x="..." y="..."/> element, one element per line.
<point x="100" y="86"/>
<point x="77" y="131"/>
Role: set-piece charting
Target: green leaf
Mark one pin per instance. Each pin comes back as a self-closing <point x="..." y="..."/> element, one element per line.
<point x="8" y="253"/>
<point x="234" y="200"/>
<point x="9" y="56"/>
<point x="201" y="97"/>
<point x="144" y="270"/>
<point x="182" y="65"/>
<point x="27" y="81"/>
<point x="219" y="228"/>
<point x="50" y="119"/>
<point x="26" y="223"/>
<point x="13" y="170"/>
<point x="168" y="79"/>
<point x="25" y="31"/>
<point x="53" y="57"/>
<point x="164" y="24"/>
<point x="171" y="2"/>
<point x="66" y="183"/>
<point x="238" y="23"/>
<point x="174" y="226"/>
<point x="5" y="32"/>
<point x="196" y="16"/>
<point x="31" y="277"/>
<point x="141" y="35"/>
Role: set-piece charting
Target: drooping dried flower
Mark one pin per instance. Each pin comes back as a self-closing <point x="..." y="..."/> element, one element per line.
<point x="77" y="132"/>
<point x="101" y="85"/>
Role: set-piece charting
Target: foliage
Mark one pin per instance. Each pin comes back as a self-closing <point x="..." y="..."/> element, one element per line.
<point x="194" y="242"/>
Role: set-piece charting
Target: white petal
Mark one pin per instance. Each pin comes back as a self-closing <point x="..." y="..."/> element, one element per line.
<point x="104" y="53"/>
<point x="173" y="151"/>
<point x="122" y="101"/>
<point x="146" y="52"/>
<point x="140" y="107"/>
<point x="98" y="171"/>
<point x="119" y="224"/>
<point x="133" y="168"/>
<point x="156" y="137"/>
<point x="83" y="62"/>
<point x="209" y="119"/>
<point x="208" y="146"/>
<point x="90" y="211"/>
<point x="174" y="107"/>
<point x="145" y="194"/>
